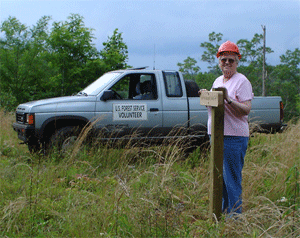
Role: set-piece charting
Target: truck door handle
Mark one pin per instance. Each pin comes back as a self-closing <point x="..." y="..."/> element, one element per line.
<point x="154" y="110"/>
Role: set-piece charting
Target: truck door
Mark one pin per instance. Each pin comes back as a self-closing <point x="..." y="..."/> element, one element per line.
<point x="134" y="109"/>
<point x="175" y="108"/>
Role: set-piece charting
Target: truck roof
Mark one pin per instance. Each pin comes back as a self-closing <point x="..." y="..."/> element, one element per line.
<point x="145" y="68"/>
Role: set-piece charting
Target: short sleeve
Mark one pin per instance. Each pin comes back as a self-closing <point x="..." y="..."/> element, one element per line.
<point x="244" y="92"/>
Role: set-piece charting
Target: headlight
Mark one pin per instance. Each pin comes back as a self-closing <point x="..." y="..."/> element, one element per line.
<point x="30" y="119"/>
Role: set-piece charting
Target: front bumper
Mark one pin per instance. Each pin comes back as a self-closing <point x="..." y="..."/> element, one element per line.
<point x="25" y="132"/>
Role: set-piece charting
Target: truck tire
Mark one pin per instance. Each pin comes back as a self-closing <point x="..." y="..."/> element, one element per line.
<point x="34" y="146"/>
<point x="63" y="139"/>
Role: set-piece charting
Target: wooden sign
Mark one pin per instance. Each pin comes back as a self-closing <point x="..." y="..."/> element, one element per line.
<point x="213" y="99"/>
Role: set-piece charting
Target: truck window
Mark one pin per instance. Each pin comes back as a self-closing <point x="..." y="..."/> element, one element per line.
<point x="122" y="87"/>
<point x="172" y="84"/>
<point x="136" y="87"/>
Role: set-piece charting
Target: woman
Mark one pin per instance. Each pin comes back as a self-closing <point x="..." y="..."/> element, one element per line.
<point x="237" y="100"/>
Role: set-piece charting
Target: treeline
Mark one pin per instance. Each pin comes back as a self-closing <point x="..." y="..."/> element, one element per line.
<point x="45" y="61"/>
<point x="280" y="80"/>
<point x="39" y="62"/>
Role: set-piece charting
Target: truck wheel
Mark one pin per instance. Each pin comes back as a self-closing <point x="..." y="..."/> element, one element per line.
<point x="63" y="139"/>
<point x="34" y="146"/>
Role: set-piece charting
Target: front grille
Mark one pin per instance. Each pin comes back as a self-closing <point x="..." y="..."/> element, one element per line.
<point x="20" y="117"/>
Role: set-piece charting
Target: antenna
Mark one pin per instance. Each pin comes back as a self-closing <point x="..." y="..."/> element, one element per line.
<point x="154" y="58"/>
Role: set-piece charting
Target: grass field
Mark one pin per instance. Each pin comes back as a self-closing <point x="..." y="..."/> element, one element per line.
<point x="98" y="191"/>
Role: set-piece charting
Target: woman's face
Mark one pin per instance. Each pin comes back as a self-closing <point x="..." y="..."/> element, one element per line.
<point x="228" y="64"/>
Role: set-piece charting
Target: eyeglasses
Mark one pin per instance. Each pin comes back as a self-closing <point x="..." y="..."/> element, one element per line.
<point x="224" y="60"/>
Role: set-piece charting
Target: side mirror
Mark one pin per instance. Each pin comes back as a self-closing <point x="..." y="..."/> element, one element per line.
<point x="107" y="95"/>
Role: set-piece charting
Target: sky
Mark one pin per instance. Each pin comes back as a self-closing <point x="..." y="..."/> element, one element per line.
<point x="162" y="33"/>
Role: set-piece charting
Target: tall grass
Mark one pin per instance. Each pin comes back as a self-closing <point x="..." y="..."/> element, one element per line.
<point x="144" y="191"/>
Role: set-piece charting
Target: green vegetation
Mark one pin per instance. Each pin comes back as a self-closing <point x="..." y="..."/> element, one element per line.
<point x="39" y="63"/>
<point x="140" y="191"/>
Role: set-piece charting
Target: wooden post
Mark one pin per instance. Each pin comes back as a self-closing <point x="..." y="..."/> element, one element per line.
<point x="217" y="147"/>
<point x="264" y="62"/>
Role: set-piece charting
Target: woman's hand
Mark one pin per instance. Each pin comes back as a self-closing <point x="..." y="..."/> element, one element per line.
<point x="201" y="90"/>
<point x="241" y="108"/>
<point x="226" y="96"/>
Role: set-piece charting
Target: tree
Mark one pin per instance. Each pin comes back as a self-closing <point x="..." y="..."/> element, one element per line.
<point x="71" y="51"/>
<point x="189" y="68"/>
<point x="285" y="81"/>
<point x="252" y="51"/>
<point x="211" y="51"/>
<point x="205" y="80"/>
<point x="39" y="63"/>
<point x="115" y="53"/>
<point x="22" y="63"/>
<point x="251" y="63"/>
<point x="291" y="60"/>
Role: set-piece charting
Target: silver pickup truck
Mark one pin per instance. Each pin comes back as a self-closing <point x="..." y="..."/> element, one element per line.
<point x="147" y="103"/>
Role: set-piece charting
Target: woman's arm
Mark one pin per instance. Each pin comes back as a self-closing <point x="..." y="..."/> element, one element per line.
<point x="242" y="108"/>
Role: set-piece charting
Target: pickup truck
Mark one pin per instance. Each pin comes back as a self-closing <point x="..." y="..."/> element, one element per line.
<point x="147" y="103"/>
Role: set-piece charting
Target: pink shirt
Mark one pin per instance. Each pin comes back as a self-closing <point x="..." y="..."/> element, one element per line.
<point x="239" y="89"/>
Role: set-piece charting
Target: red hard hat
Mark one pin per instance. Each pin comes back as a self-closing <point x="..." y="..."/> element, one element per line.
<point x="229" y="46"/>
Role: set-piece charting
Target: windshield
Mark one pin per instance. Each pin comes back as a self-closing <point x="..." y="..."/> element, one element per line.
<point x="96" y="87"/>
